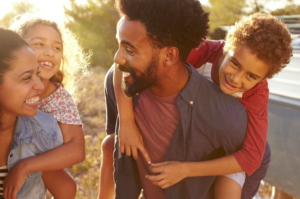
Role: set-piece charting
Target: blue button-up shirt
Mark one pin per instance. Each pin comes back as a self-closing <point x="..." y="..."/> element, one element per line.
<point x="32" y="136"/>
<point x="211" y="124"/>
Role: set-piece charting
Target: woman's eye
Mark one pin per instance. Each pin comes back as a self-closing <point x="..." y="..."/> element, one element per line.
<point x="38" y="44"/>
<point x="27" y="78"/>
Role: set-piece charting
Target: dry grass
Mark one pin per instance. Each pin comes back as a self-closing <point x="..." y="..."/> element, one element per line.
<point x="92" y="112"/>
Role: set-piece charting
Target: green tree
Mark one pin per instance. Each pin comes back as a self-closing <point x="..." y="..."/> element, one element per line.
<point x="95" y="24"/>
<point x="18" y="8"/>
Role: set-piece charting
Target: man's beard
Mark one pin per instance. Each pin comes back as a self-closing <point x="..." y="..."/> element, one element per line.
<point x="146" y="79"/>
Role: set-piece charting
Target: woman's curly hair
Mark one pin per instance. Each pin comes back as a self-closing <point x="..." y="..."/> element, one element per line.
<point x="267" y="38"/>
<point x="179" y="23"/>
<point x="75" y="62"/>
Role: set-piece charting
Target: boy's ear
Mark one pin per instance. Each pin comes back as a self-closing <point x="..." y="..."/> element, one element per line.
<point x="171" y="56"/>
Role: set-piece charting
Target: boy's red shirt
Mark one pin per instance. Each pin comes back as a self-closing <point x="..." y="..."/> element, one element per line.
<point x="255" y="102"/>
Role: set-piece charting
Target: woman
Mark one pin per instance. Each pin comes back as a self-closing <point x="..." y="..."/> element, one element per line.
<point x="24" y="131"/>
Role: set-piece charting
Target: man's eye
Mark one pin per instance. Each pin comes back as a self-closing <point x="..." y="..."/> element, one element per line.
<point x="129" y="51"/>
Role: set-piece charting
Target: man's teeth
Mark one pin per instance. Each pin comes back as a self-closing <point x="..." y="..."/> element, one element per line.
<point x="32" y="100"/>
<point x="125" y="74"/>
<point x="46" y="63"/>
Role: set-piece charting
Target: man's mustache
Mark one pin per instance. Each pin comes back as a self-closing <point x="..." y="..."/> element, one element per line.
<point x="126" y="69"/>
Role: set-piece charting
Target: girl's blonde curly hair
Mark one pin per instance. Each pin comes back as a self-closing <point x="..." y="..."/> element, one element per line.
<point x="267" y="37"/>
<point x="75" y="62"/>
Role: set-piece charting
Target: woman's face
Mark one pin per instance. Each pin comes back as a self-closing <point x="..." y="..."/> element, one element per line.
<point x="21" y="85"/>
<point x="47" y="45"/>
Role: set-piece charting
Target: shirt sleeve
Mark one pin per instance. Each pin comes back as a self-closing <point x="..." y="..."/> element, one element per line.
<point x="208" y="51"/>
<point x="256" y="105"/>
<point x="110" y="102"/>
<point x="67" y="111"/>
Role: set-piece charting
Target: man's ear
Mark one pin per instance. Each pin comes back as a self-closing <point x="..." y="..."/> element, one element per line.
<point x="171" y="56"/>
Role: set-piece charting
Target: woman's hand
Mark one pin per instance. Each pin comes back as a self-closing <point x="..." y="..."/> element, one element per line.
<point x="14" y="181"/>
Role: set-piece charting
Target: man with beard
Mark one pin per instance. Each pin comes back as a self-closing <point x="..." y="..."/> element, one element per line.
<point x="182" y="116"/>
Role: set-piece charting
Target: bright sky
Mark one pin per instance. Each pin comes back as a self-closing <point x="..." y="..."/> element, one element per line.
<point x="54" y="8"/>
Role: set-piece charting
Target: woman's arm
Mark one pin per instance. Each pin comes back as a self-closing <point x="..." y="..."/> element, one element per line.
<point x="130" y="139"/>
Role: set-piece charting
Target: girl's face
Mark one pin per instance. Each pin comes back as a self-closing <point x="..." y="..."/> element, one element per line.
<point x="19" y="91"/>
<point x="47" y="45"/>
<point x="241" y="70"/>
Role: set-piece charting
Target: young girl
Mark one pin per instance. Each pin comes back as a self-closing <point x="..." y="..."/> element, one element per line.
<point x="61" y="61"/>
<point x="257" y="41"/>
<point x="24" y="131"/>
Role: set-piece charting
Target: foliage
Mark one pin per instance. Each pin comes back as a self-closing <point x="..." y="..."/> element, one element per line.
<point x="92" y="112"/>
<point x="95" y="24"/>
<point x="18" y="8"/>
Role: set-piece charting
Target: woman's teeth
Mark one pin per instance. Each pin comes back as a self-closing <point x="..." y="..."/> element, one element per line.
<point x="32" y="100"/>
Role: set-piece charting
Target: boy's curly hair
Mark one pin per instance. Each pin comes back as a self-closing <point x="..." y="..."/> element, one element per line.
<point x="179" y="23"/>
<point x="267" y="38"/>
<point x="75" y="63"/>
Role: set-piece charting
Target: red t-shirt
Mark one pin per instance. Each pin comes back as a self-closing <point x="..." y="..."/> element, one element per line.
<point x="254" y="100"/>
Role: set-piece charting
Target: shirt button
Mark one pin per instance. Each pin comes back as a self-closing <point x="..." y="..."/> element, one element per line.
<point x="11" y="155"/>
<point x="191" y="102"/>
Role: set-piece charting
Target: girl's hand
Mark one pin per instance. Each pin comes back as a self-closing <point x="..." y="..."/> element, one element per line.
<point x="167" y="173"/>
<point x="130" y="140"/>
<point x="14" y="181"/>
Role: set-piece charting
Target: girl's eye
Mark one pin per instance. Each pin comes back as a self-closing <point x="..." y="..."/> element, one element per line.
<point x="57" y="48"/>
<point x="38" y="44"/>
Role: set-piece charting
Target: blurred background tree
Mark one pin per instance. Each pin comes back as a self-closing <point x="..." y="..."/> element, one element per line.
<point x="95" y="24"/>
<point x="17" y="8"/>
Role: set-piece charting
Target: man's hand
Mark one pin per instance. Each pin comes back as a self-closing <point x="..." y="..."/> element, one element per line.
<point x="130" y="141"/>
<point x="14" y="181"/>
<point x="169" y="173"/>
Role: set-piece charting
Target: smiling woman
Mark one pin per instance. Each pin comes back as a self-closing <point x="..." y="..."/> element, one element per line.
<point x="24" y="131"/>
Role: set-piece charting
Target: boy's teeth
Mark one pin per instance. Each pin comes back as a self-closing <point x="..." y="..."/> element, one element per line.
<point x="32" y="100"/>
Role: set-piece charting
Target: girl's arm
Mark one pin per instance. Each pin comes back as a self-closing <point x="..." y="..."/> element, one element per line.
<point x="66" y="155"/>
<point x="130" y="139"/>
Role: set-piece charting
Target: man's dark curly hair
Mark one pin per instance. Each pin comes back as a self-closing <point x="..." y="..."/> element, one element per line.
<point x="179" y="23"/>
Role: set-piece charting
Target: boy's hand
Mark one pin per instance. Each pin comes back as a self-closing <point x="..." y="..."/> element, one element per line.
<point x="130" y="141"/>
<point x="166" y="174"/>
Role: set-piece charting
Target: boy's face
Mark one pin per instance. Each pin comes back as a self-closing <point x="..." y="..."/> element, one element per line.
<point x="135" y="57"/>
<point x="241" y="70"/>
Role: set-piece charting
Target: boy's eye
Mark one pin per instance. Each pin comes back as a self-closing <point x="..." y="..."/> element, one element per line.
<point x="234" y="64"/>
<point x="252" y="76"/>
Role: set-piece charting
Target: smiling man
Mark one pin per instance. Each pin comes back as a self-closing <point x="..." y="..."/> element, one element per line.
<point x="184" y="119"/>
